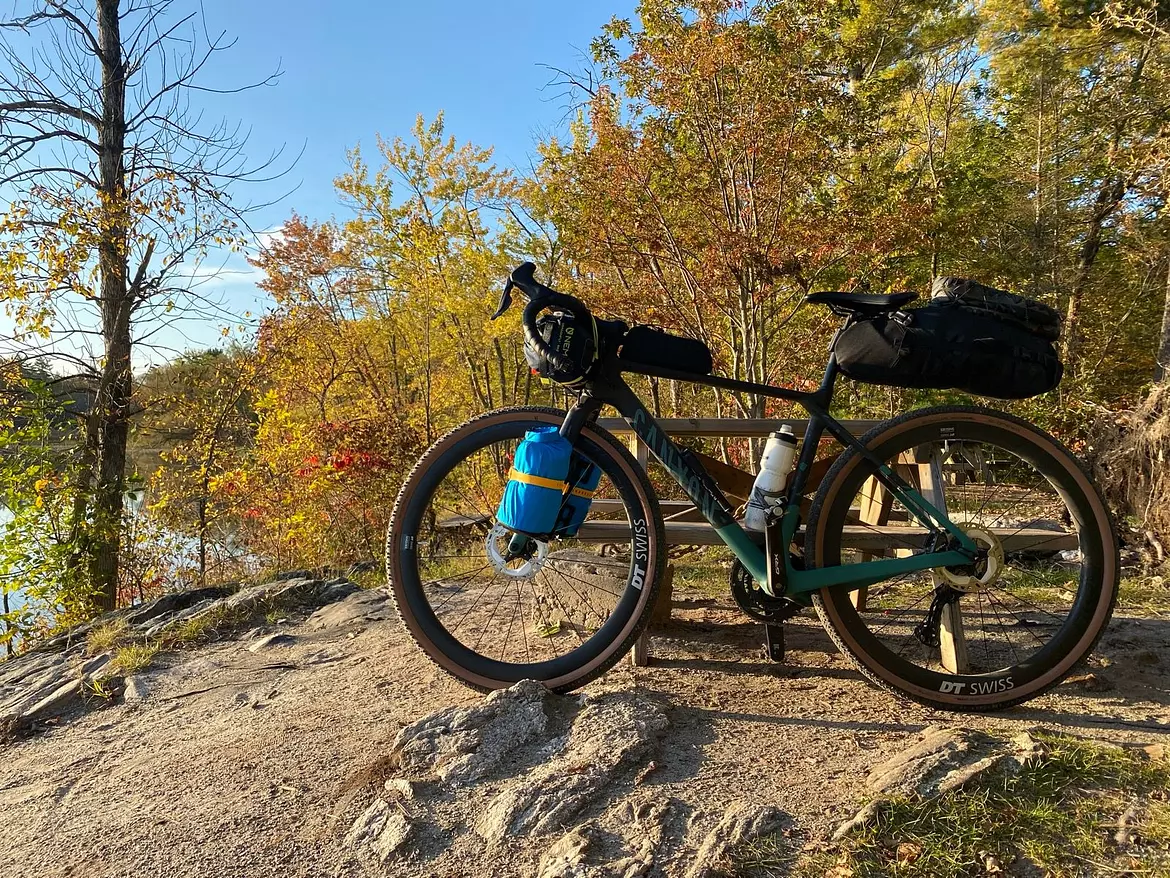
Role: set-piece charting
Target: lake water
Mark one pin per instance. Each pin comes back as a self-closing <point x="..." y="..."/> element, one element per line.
<point x="14" y="599"/>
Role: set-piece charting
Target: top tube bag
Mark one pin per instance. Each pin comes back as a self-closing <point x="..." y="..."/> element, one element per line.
<point x="647" y="346"/>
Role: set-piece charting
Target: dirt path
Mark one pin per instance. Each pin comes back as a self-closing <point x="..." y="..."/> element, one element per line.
<point x="242" y="763"/>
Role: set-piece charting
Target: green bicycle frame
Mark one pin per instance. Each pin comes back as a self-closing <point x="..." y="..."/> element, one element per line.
<point x="778" y="576"/>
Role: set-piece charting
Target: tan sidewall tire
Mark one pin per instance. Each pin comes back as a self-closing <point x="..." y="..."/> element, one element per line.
<point x="612" y="653"/>
<point x="830" y="604"/>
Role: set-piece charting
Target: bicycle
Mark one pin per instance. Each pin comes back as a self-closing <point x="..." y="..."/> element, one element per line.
<point x="960" y="556"/>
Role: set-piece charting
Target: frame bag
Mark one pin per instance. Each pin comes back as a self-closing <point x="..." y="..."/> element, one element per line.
<point x="981" y="341"/>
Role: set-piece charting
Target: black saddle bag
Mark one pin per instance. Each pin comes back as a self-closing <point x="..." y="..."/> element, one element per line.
<point x="652" y="347"/>
<point x="1028" y="314"/>
<point x="948" y="346"/>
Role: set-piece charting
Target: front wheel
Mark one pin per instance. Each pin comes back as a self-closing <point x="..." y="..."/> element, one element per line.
<point x="559" y="612"/>
<point x="1000" y="630"/>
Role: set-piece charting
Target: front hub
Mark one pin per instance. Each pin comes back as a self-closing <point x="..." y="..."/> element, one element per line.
<point x="515" y="561"/>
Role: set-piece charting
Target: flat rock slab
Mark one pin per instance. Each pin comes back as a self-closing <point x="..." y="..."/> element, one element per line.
<point x="942" y="760"/>
<point x="49" y="680"/>
<point x="170" y="604"/>
<point x="361" y="606"/>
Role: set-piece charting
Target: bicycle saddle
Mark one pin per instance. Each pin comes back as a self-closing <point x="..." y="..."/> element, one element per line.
<point x="861" y="304"/>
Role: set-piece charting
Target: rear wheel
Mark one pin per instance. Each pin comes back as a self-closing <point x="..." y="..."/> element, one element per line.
<point x="557" y="612"/>
<point x="993" y="633"/>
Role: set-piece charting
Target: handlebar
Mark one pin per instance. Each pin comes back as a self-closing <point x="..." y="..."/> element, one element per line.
<point x="541" y="298"/>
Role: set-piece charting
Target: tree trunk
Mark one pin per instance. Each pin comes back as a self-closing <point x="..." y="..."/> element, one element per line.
<point x="113" y="402"/>
<point x="1106" y="203"/>
<point x="1162" y="364"/>
<point x="203" y="536"/>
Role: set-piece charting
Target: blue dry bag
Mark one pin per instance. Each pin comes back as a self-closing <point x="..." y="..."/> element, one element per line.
<point x="583" y="476"/>
<point x="536" y="485"/>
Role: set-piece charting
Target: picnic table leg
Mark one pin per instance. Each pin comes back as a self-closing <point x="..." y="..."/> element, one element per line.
<point x="876" y="503"/>
<point x="659" y="615"/>
<point x="952" y="640"/>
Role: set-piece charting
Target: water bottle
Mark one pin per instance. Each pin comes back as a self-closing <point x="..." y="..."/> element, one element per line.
<point x="768" y="489"/>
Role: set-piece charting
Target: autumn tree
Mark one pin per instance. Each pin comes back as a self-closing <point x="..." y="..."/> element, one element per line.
<point x="117" y="187"/>
<point x="34" y="581"/>
<point x="693" y="190"/>
<point x="198" y="416"/>
<point x="1081" y="103"/>
<point x="379" y="342"/>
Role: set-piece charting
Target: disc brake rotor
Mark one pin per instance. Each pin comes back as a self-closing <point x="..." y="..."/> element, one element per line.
<point x="500" y="536"/>
<point x="981" y="575"/>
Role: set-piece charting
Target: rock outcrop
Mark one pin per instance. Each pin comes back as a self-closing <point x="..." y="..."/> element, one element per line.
<point x="60" y="675"/>
<point x="526" y="769"/>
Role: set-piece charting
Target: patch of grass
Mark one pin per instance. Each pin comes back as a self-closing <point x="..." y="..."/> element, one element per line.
<point x="135" y="657"/>
<point x="203" y="628"/>
<point x="770" y="856"/>
<point x="102" y="689"/>
<point x="1149" y="594"/>
<point x="705" y="572"/>
<point x="1059" y="813"/>
<point x="369" y="580"/>
<point x="107" y="637"/>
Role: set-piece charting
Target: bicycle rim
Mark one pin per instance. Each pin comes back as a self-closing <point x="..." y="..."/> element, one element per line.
<point x="563" y="613"/>
<point x="993" y="633"/>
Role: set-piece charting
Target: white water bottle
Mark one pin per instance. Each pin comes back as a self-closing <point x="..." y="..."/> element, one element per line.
<point x="768" y="489"/>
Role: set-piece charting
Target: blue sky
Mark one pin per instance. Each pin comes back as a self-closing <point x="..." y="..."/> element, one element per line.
<point x="352" y="69"/>
<point x="355" y="69"/>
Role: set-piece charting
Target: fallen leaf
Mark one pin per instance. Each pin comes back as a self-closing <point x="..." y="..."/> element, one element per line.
<point x="908" y="852"/>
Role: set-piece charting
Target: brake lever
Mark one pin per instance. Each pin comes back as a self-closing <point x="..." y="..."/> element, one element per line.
<point x="505" y="300"/>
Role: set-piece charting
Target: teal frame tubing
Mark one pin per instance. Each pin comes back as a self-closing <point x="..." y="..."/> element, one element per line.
<point x="780" y="577"/>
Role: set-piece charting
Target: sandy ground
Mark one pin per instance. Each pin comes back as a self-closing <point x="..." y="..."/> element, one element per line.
<point x="238" y="763"/>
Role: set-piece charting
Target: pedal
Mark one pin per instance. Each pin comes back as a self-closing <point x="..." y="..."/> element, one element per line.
<point x="774" y="642"/>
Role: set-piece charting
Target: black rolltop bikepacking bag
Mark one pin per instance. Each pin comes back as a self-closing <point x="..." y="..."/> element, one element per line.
<point x="970" y="337"/>
<point x="648" y="346"/>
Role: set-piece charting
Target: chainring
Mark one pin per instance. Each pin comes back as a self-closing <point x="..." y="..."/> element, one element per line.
<point x="757" y="603"/>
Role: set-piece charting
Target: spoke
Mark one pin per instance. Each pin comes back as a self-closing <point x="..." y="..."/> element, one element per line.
<point x="462" y="579"/>
<point x="568" y="617"/>
<point x="523" y="625"/>
<point x="583" y="598"/>
<point x="901" y="613"/>
<point x="1021" y="618"/>
<point x="560" y="572"/>
<point x="471" y="606"/>
<point x="488" y="624"/>
<point x="1036" y="607"/>
<point x="1007" y="635"/>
